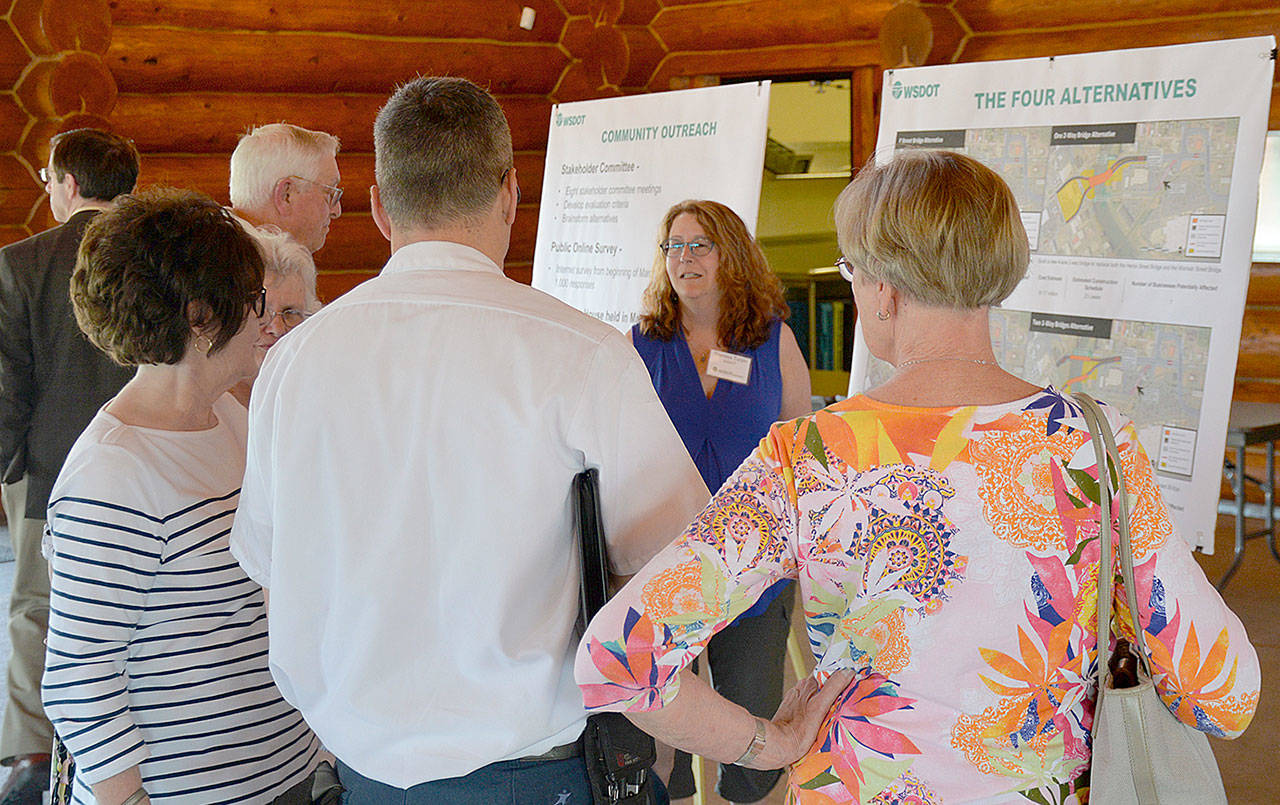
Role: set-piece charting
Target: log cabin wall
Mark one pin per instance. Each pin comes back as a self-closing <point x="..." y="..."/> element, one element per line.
<point x="185" y="77"/>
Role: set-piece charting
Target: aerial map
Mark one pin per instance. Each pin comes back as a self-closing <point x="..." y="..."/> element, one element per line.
<point x="1151" y="191"/>
<point x="1162" y="196"/>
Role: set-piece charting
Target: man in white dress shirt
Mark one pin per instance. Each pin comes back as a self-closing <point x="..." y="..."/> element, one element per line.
<point x="424" y="625"/>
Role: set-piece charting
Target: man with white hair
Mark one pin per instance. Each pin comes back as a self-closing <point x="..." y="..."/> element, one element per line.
<point x="287" y="176"/>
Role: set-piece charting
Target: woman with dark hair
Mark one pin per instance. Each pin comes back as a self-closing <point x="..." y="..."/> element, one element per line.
<point x="156" y="677"/>
<point x="944" y="532"/>
<point x="726" y="368"/>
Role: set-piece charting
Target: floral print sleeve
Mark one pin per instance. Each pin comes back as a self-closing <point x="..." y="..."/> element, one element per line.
<point x="734" y="551"/>
<point x="950" y="558"/>
<point x="1204" y="667"/>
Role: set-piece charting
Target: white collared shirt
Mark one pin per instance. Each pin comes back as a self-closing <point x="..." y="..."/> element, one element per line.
<point x="407" y="503"/>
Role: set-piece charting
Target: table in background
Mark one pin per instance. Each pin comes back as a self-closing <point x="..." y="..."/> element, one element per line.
<point x="1251" y="423"/>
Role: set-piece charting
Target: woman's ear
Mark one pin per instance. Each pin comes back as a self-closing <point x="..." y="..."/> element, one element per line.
<point x="199" y="314"/>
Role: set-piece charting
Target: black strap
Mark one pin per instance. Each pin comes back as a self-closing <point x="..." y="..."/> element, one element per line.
<point x="595" y="555"/>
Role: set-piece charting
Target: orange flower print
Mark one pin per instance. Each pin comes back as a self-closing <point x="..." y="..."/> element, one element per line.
<point x="675" y="591"/>
<point x="1017" y="489"/>
<point x="893" y="648"/>
<point x="1149" y="525"/>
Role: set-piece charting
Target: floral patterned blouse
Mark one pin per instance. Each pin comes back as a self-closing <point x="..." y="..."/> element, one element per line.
<point x="950" y="557"/>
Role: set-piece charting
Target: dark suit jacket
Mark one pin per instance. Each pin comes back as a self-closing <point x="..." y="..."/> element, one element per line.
<point x="52" y="380"/>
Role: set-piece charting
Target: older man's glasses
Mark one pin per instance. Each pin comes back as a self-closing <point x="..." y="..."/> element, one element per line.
<point x="290" y="317"/>
<point x="45" y="175"/>
<point x="332" y="192"/>
<point x="846" y="268"/>
<point x="674" y="248"/>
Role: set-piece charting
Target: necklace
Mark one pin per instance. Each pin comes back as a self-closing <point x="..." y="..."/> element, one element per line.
<point x="915" y="361"/>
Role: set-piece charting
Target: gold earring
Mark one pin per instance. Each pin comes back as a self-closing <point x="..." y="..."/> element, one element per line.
<point x="208" y="343"/>
<point x="882" y="315"/>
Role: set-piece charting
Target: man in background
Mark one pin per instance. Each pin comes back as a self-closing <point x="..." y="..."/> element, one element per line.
<point x="287" y="176"/>
<point x="52" y="382"/>
<point x="424" y="625"/>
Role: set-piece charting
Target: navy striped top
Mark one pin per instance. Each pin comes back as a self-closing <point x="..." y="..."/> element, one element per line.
<point x="157" y="649"/>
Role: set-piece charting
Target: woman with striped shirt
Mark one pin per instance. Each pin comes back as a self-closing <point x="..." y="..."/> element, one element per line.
<point x="156" y="677"/>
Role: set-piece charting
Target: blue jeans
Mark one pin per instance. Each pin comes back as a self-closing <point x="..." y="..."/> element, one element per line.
<point x="513" y="782"/>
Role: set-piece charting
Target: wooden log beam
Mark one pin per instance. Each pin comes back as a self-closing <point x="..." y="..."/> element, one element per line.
<point x="1264" y="285"/>
<point x="19" y="192"/>
<point x="13" y="234"/>
<point x="1260" y="344"/>
<point x="1095" y="37"/>
<point x="765" y="23"/>
<point x="644" y="53"/>
<point x="638" y="12"/>
<point x="212" y="122"/>
<point x="1257" y="390"/>
<point x="13" y="119"/>
<point x="990" y="16"/>
<point x="210" y="173"/>
<point x="155" y="59"/>
<point x="65" y="25"/>
<point x="73" y="84"/>
<point x="14" y="57"/>
<point x="774" y="62"/>
<point x="425" y="18"/>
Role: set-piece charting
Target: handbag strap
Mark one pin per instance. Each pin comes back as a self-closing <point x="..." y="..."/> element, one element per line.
<point x="1110" y="472"/>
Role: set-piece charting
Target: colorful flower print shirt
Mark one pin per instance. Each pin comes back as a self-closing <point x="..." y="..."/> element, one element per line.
<point x="950" y="557"/>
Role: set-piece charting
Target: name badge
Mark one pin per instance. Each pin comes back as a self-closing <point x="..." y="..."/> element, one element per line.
<point x="728" y="366"/>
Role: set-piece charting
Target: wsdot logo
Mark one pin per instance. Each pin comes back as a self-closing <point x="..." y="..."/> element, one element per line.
<point x="569" y="120"/>
<point x="901" y="90"/>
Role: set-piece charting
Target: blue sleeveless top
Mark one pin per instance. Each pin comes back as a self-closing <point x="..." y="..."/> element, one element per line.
<point x="721" y="431"/>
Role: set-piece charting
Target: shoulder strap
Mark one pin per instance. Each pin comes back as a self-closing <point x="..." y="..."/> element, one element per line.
<point x="1112" y="497"/>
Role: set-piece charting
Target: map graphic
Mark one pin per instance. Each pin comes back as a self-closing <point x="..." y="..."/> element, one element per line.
<point x="1019" y="155"/>
<point x="1074" y="191"/>
<point x="1153" y="191"/>
<point x="1153" y="372"/>
<point x="1141" y="199"/>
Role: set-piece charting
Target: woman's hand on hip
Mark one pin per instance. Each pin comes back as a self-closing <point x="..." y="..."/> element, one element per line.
<point x="794" y="727"/>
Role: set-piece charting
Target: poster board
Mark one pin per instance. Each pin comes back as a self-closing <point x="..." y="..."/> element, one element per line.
<point x="1136" y="173"/>
<point x="615" y="166"/>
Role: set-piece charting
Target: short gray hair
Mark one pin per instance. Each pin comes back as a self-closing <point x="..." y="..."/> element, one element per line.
<point x="269" y="153"/>
<point x="939" y="226"/>
<point x="442" y="147"/>
<point x="285" y="257"/>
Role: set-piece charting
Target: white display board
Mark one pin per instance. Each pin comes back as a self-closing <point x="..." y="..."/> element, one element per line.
<point x="1136" y="172"/>
<point x="615" y="166"/>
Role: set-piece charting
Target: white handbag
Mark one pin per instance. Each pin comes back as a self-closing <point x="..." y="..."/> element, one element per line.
<point x="1141" y="752"/>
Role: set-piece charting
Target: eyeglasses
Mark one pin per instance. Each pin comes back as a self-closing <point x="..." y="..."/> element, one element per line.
<point x="331" y="191"/>
<point x="258" y="304"/>
<point x="291" y="317"/>
<point x="846" y="268"/>
<point x="674" y="248"/>
<point x="45" y="176"/>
